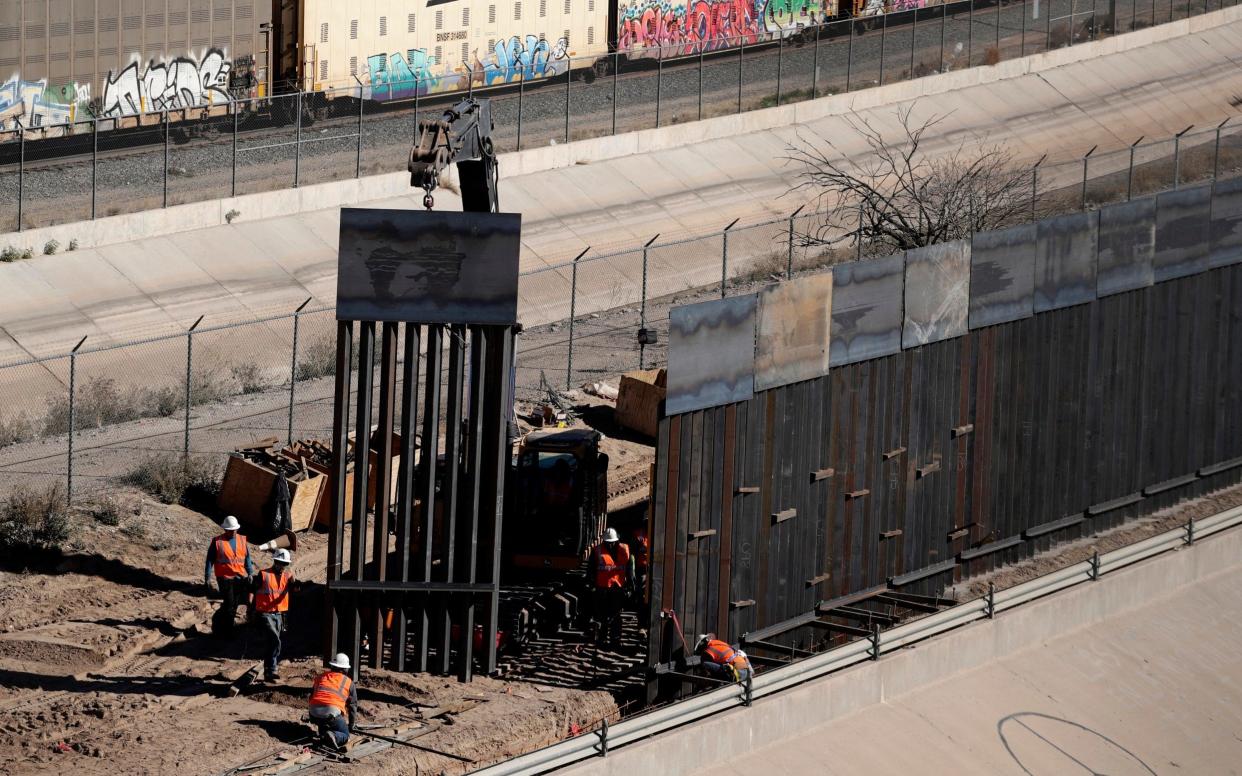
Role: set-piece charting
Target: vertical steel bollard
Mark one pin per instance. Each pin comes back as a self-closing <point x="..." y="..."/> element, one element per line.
<point x="1035" y="184"/>
<point x="789" y="260"/>
<point x="616" y="75"/>
<point x="73" y="378"/>
<point x="780" y="57"/>
<point x="94" y="167"/>
<point x="700" y="82"/>
<point x="236" y="121"/>
<point x="573" y="311"/>
<point x="858" y="234"/>
<point x="166" y="139"/>
<point x="724" y="257"/>
<point x="21" y="173"/>
<point x="1085" y="161"/>
<point x="521" y="93"/>
<point x="189" y="379"/>
<point x="659" y="83"/>
<point x="1177" y="155"/>
<point x="569" y="71"/>
<point x="293" y="366"/>
<point x="642" y="307"/>
<point x="297" y="146"/>
<point x="1130" y="174"/>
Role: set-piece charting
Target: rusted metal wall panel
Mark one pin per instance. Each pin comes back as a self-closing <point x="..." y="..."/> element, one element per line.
<point x="711" y="353"/>
<point x="866" y="309"/>
<point x="1182" y="232"/>
<point x="791" y="342"/>
<point x="1065" y="261"/>
<point x="1226" y="223"/>
<point x="937" y="293"/>
<point x="1002" y="276"/>
<point x="1127" y="243"/>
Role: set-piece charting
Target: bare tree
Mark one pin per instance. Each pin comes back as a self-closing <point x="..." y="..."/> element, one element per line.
<point x="901" y="197"/>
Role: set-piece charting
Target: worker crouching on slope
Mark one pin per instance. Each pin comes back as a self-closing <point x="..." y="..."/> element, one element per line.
<point x="613" y="568"/>
<point x="228" y="556"/>
<point x="272" y="588"/>
<point x="334" y="702"/>
<point x="721" y="660"/>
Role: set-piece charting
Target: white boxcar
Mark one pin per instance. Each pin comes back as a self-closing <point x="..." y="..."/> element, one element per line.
<point x="397" y="49"/>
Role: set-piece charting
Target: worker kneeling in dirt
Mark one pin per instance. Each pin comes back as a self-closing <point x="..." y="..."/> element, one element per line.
<point x="271" y="600"/>
<point x="333" y="700"/>
<point x="228" y="556"/>
<point x="614" y="575"/>
<point x="722" y="661"/>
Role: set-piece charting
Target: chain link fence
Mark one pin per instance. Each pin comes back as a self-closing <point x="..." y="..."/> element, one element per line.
<point x="63" y="173"/>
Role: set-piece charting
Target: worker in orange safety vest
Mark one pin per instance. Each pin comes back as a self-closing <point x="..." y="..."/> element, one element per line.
<point x="334" y="703"/>
<point x="272" y="588"/>
<point x="721" y="660"/>
<point x="613" y="568"/>
<point x="228" y="556"/>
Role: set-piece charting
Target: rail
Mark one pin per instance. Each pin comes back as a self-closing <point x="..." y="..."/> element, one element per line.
<point x="599" y="742"/>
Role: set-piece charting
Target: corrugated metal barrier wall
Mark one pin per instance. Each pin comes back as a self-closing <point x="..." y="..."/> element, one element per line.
<point x="917" y="419"/>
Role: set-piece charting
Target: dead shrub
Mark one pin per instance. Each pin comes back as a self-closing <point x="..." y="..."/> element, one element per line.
<point x="249" y="377"/>
<point x="317" y="360"/>
<point x="33" y="518"/>
<point x="173" y="478"/>
<point x="16" y="429"/>
<point x="992" y="56"/>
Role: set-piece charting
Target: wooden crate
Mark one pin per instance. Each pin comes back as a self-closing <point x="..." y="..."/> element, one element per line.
<point x="638" y="400"/>
<point x="246" y="493"/>
<point x="323" y="512"/>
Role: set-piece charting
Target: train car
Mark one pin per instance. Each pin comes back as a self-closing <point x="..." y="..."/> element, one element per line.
<point x="74" y="60"/>
<point x="658" y="28"/>
<point x="394" y="50"/>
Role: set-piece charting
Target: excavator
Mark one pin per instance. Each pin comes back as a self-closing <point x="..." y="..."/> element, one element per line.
<point x="556" y="490"/>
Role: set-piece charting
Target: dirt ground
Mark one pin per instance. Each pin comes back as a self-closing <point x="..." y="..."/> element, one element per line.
<point x="104" y="664"/>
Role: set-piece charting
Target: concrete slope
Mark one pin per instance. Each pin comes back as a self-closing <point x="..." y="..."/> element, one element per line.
<point x="1135" y="674"/>
<point x="153" y="273"/>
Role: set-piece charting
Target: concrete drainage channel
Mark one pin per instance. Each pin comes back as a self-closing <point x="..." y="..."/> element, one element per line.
<point x="598" y="743"/>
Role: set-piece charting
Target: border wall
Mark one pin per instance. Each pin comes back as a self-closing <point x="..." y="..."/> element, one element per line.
<point x="910" y="421"/>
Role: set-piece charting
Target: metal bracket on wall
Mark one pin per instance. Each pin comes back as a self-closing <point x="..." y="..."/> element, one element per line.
<point x="927" y="469"/>
<point x="1117" y="503"/>
<point x="962" y="430"/>
<point x="858" y="493"/>
<point x="1056" y="525"/>
<point x="743" y="490"/>
<point x="783" y="515"/>
<point x="890" y="534"/>
<point x="813" y="581"/>
<point x="959" y="533"/>
<point x="702" y="534"/>
<point x="891" y="454"/>
<point x="822" y="474"/>
<point x="742" y="604"/>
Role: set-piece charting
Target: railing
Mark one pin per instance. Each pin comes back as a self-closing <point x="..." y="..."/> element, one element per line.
<point x="598" y="743"/>
<point x="111" y="165"/>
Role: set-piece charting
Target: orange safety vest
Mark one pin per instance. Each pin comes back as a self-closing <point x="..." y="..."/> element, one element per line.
<point x="230" y="563"/>
<point x="722" y="654"/>
<point x="641" y="559"/>
<point x="331" y="689"/>
<point x="610" y="571"/>
<point x="273" y="592"/>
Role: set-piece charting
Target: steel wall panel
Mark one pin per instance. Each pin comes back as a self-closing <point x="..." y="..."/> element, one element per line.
<point x="1182" y="228"/>
<point x="937" y="293"/>
<point x="1002" y="276"/>
<point x="1065" y="261"/>
<point x="866" y="309"/>
<point x="1226" y="223"/>
<point x="791" y="341"/>
<point x="711" y="354"/>
<point x="1127" y="243"/>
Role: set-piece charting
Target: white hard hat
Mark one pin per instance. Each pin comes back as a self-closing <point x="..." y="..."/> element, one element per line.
<point x="282" y="556"/>
<point x="702" y="641"/>
<point x="611" y="535"/>
<point x="341" y="661"/>
<point x="231" y="524"/>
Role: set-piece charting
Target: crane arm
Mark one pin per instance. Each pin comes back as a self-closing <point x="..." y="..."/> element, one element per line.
<point x="462" y="136"/>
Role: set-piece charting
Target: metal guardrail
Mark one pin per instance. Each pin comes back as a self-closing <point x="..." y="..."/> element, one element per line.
<point x="598" y="743"/>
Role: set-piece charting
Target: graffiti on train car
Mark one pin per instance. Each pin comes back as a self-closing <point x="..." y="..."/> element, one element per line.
<point x="36" y="104"/>
<point x="706" y="25"/>
<point x="397" y="76"/>
<point x="185" y="82"/>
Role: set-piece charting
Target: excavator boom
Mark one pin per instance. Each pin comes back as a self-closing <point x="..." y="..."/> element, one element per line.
<point x="462" y="136"/>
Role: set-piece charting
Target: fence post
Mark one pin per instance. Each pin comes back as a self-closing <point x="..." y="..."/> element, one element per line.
<point x="569" y="71"/>
<point x="815" y="63"/>
<point x="189" y="366"/>
<point x="73" y="379"/>
<point x="1216" y="151"/>
<point x="642" y="308"/>
<point x="858" y="234"/>
<point x="700" y="82"/>
<point x="1022" y="35"/>
<point x="998" y="14"/>
<point x="1177" y="155"/>
<point x="659" y="83"/>
<point x="789" y="262"/>
<point x="944" y="20"/>
<point x="616" y="74"/>
<point x="293" y="366"/>
<point x="914" y="37"/>
<point x="1085" y="160"/>
<point x="573" y="311"/>
<point x="167" y="123"/>
<point x="849" y="57"/>
<point x="741" y="51"/>
<point x="1130" y="175"/>
<point x="236" y="121"/>
<point x="724" y="257"/>
<point x="883" y="37"/>
<point x="21" y="173"/>
<point x="522" y="94"/>
<point x="780" y="57"/>
<point x="1035" y="184"/>
<point x="1048" y="24"/>
<point x="297" y="146"/>
<point x="970" y="35"/>
<point x="361" y="106"/>
<point x="94" y="166"/>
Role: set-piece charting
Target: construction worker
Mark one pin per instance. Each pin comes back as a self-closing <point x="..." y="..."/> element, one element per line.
<point x="272" y="588"/>
<point x="613" y="568"/>
<point x="334" y="703"/>
<point x="641" y="547"/>
<point x="721" y="660"/>
<point x="228" y="556"/>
